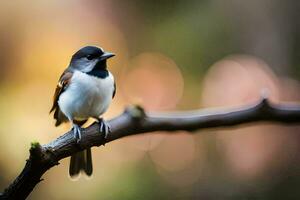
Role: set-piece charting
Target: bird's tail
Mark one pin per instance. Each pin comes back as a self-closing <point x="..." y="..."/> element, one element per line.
<point x="81" y="161"/>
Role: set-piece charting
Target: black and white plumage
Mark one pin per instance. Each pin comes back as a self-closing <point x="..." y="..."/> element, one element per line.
<point x="85" y="90"/>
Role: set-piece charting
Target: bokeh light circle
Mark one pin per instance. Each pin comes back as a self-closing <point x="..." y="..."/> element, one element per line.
<point x="152" y="80"/>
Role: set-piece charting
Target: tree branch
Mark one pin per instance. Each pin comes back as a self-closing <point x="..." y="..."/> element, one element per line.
<point x="135" y="121"/>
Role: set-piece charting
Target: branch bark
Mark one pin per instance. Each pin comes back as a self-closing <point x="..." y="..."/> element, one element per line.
<point x="135" y="121"/>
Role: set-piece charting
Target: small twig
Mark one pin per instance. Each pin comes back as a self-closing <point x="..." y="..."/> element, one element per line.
<point x="135" y="121"/>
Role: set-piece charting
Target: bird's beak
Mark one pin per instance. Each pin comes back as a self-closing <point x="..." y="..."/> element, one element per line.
<point x="106" y="55"/>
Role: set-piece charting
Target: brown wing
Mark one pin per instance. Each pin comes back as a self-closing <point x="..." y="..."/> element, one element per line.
<point x="61" y="86"/>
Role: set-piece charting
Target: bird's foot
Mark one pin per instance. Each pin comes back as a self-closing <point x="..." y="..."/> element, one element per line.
<point x="77" y="133"/>
<point x="104" y="127"/>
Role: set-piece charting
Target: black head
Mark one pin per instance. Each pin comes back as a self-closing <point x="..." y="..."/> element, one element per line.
<point x="90" y="57"/>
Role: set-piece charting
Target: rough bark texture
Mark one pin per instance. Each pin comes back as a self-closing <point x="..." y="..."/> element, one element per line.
<point x="135" y="121"/>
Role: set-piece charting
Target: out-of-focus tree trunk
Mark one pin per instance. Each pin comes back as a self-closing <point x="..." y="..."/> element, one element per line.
<point x="265" y="28"/>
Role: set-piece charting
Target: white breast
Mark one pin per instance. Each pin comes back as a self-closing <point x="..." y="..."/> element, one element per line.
<point x="86" y="96"/>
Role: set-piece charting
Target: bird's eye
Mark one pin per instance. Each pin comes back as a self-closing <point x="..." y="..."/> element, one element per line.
<point x="90" y="57"/>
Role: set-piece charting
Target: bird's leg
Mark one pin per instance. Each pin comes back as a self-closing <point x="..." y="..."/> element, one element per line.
<point x="76" y="132"/>
<point x="104" y="127"/>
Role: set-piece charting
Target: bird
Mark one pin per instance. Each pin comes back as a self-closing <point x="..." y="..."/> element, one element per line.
<point x="84" y="90"/>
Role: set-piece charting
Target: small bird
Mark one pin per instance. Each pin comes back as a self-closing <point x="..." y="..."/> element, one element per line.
<point x="85" y="90"/>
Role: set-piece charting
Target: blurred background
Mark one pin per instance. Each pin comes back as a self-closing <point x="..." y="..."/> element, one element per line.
<point x="171" y="55"/>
